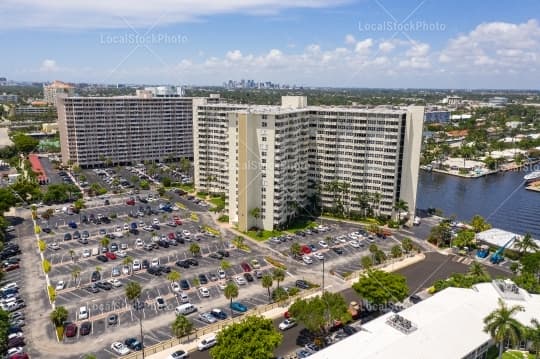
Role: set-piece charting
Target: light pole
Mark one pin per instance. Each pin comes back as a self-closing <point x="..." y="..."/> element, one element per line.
<point x="323" y="276"/>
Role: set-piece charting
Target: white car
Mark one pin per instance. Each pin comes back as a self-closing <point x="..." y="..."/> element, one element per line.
<point x="139" y="242"/>
<point x="115" y="282"/>
<point x="186" y="233"/>
<point x="287" y="324"/>
<point x="83" y="313"/>
<point x="207" y="343"/>
<point x="417" y="221"/>
<point x="118" y="229"/>
<point x="323" y="244"/>
<point x="221" y="273"/>
<point x="60" y="285"/>
<point x="136" y="265"/>
<point x="204" y="292"/>
<point x="240" y="280"/>
<point x="183" y="297"/>
<point x="307" y="259"/>
<point x="126" y="227"/>
<point x="255" y="264"/>
<point x="155" y="262"/>
<point x="155" y="221"/>
<point x="319" y="256"/>
<point x="175" y="287"/>
<point x="179" y="354"/>
<point x="354" y="243"/>
<point x="121" y="254"/>
<point x="125" y="269"/>
<point x="11" y="285"/>
<point x="54" y="246"/>
<point x="13" y="351"/>
<point x="342" y="239"/>
<point x="86" y="252"/>
<point x="119" y="348"/>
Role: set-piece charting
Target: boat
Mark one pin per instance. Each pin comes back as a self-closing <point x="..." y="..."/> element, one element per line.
<point x="532" y="176"/>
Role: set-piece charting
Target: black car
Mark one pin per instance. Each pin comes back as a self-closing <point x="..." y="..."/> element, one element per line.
<point x="145" y="264"/>
<point x="138" y="305"/>
<point x="215" y="255"/>
<point x="180" y="240"/>
<point x="347" y="329"/>
<point x="76" y="235"/>
<point x="14" y="329"/>
<point x="184" y="284"/>
<point x="86" y="328"/>
<point x="415" y="299"/>
<point x="112" y="319"/>
<point x="164" y="269"/>
<point x="163" y="243"/>
<point x="92" y="288"/>
<point x="133" y="344"/>
<point x="302" y="284"/>
<point x="16" y="342"/>
<point x="203" y="279"/>
<point x="104" y="285"/>
<point x="192" y="262"/>
<point x="102" y="258"/>
<point x="223" y="253"/>
<point x="106" y="202"/>
<point x="114" y="247"/>
<point x="337" y="250"/>
<point x="154" y="271"/>
<point x="183" y="264"/>
<point x="96" y="276"/>
<point x="248" y="277"/>
<point x="67" y="237"/>
<point x="84" y="219"/>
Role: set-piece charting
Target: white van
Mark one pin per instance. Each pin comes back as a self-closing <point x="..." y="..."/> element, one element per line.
<point x="185" y="309"/>
<point x="83" y="312"/>
<point x="207" y="342"/>
<point x="95" y="251"/>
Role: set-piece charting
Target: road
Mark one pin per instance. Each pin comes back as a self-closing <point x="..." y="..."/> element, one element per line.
<point x="420" y="275"/>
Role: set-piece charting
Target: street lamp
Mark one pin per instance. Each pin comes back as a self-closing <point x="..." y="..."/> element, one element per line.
<point x="323" y="275"/>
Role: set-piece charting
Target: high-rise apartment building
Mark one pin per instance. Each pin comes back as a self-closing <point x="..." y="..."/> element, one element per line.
<point x="125" y="129"/>
<point x="56" y="89"/>
<point x="274" y="161"/>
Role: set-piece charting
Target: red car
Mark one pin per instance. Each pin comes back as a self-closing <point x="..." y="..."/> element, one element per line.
<point x="19" y="356"/>
<point x="110" y="255"/>
<point x="130" y="202"/>
<point x="10" y="266"/>
<point x="306" y="249"/>
<point x="177" y="220"/>
<point x="171" y="235"/>
<point x="70" y="330"/>
<point x="245" y="267"/>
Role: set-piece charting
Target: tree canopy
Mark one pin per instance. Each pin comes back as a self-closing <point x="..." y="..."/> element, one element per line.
<point x="381" y="288"/>
<point x="253" y="338"/>
<point x="319" y="312"/>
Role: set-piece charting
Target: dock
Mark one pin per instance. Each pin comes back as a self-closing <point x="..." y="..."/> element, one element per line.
<point x="534" y="186"/>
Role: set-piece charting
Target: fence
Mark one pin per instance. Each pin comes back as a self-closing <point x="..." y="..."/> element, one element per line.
<point x="167" y="344"/>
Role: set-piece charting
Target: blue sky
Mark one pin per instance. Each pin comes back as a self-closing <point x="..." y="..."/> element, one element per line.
<point x="443" y="44"/>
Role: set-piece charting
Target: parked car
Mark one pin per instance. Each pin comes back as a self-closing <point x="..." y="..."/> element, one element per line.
<point x="86" y="328"/>
<point x="179" y="354"/>
<point x="287" y="324"/>
<point x="218" y="314"/>
<point x="245" y="267"/>
<point x="133" y="344"/>
<point x="70" y="330"/>
<point x="207" y="317"/>
<point x="119" y="348"/>
<point x="207" y="343"/>
<point x="239" y="307"/>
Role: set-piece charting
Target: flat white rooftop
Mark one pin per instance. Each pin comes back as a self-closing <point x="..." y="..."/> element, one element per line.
<point x="499" y="237"/>
<point x="449" y="326"/>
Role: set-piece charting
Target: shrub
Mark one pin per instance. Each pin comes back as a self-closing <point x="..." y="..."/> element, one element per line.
<point x="223" y="218"/>
<point x="275" y="263"/>
<point x="42" y="245"/>
<point x="46" y="266"/>
<point x="52" y="293"/>
<point x="293" y="291"/>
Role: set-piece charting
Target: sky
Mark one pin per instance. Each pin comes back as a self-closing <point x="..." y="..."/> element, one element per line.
<point x="465" y="44"/>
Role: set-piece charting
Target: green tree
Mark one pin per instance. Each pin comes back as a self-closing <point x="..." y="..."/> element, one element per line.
<point x="76" y="273"/>
<point x="279" y="294"/>
<point x="319" y="312"/>
<point x="278" y="275"/>
<point x="128" y="261"/>
<point x="373" y="248"/>
<point x="526" y="243"/>
<point x="296" y="249"/>
<point x="254" y="337"/>
<point x="401" y="206"/>
<point x="161" y="191"/>
<point x="185" y="165"/>
<point x="132" y="291"/>
<point x="533" y="335"/>
<point x="440" y="235"/>
<point x="58" y="316"/>
<point x="173" y="276"/>
<point x="255" y="213"/>
<point x="144" y="184"/>
<point x="181" y="326"/>
<point x="464" y="238"/>
<point x="396" y="251"/>
<point x="194" y="249"/>
<point x="502" y="326"/>
<point x="267" y="282"/>
<point x="231" y="292"/>
<point x="479" y="224"/>
<point x="478" y="270"/>
<point x="4" y="326"/>
<point x="166" y="182"/>
<point x="407" y="244"/>
<point x="381" y="288"/>
<point x="24" y="143"/>
<point x="366" y="262"/>
<point x="225" y="264"/>
<point x="79" y="204"/>
<point x="104" y="242"/>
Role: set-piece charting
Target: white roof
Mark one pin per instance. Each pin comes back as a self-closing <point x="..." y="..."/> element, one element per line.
<point x="449" y="326"/>
<point x="497" y="237"/>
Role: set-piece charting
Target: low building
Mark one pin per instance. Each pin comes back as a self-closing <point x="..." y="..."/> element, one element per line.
<point x="437" y="116"/>
<point x="8" y="98"/>
<point x="497" y="237"/>
<point x="498" y="101"/>
<point x="448" y="325"/>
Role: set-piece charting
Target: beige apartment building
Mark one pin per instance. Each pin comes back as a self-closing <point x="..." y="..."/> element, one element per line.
<point x="278" y="159"/>
<point x="125" y="129"/>
<point x="56" y="89"/>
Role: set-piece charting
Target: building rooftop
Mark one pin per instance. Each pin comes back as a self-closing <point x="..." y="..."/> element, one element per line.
<point x="448" y="325"/>
<point x="60" y="84"/>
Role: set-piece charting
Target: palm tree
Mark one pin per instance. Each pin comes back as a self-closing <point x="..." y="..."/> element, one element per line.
<point x="75" y="273"/>
<point x="396" y="251"/>
<point x="104" y="242"/>
<point x="533" y="335"/>
<point x="58" y="316"/>
<point x="231" y="292"/>
<point x="133" y="292"/>
<point x="407" y="244"/>
<point x="401" y="206"/>
<point x="376" y="201"/>
<point x="502" y="326"/>
<point x="278" y="275"/>
<point x="173" y="276"/>
<point x="225" y="264"/>
<point x="526" y="243"/>
<point x="99" y="269"/>
<point x="296" y="249"/>
<point x="255" y="213"/>
<point x="195" y="249"/>
<point x="267" y="282"/>
<point x="476" y="269"/>
<point x="72" y="254"/>
<point x="181" y="326"/>
<point x="128" y="261"/>
<point x="366" y="262"/>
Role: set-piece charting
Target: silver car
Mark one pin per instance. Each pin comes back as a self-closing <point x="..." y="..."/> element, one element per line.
<point x="207" y="317"/>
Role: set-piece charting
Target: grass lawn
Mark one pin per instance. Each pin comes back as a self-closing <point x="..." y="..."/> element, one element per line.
<point x="194" y="217"/>
<point x="265" y="235"/>
<point x="514" y="354"/>
<point x="301" y="224"/>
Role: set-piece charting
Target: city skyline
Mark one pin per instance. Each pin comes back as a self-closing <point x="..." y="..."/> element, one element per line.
<point x="322" y="43"/>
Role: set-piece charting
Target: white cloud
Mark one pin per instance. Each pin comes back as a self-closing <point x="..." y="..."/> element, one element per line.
<point x="364" y="46"/>
<point x="234" y="55"/>
<point x="127" y="13"/>
<point x="418" y="49"/>
<point x="48" y="65"/>
<point x="349" y="39"/>
<point x="386" y="47"/>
